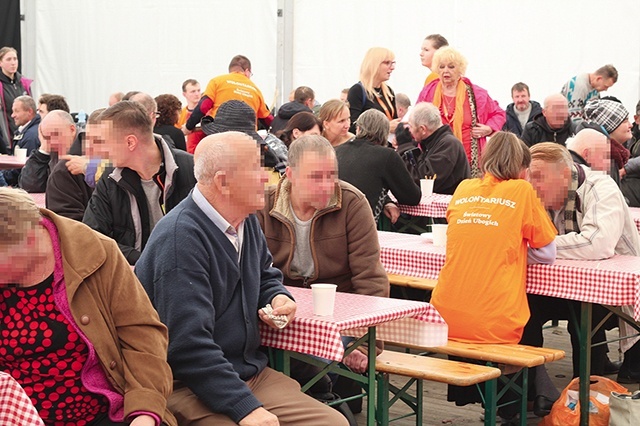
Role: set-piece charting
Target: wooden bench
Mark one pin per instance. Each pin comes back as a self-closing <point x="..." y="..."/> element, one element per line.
<point x="412" y="282"/>
<point x="510" y="357"/>
<point x="418" y="368"/>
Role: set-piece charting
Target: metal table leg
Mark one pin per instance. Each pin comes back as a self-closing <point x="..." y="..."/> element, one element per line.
<point x="585" y="361"/>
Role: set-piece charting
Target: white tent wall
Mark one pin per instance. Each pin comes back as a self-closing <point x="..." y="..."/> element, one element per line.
<point x="89" y="49"/>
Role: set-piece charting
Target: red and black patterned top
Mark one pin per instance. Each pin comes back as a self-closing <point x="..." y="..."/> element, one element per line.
<point x="43" y="352"/>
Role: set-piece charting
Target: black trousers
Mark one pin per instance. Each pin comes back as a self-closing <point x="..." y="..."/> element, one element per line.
<point x="544" y="308"/>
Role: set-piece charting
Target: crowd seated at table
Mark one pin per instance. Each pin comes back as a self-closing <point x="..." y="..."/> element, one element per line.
<point x="178" y="341"/>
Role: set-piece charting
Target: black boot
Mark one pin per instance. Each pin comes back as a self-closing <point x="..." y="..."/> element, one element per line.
<point x="630" y="369"/>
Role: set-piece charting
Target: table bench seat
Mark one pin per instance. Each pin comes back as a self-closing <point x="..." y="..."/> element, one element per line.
<point x="418" y="368"/>
<point x="521" y="356"/>
<point x="412" y="282"/>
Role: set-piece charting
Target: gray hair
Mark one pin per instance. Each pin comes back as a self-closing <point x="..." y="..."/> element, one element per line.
<point x="27" y="103"/>
<point x="149" y="104"/>
<point x="426" y="114"/>
<point x="373" y="126"/>
<point x="18" y="214"/>
<point x="60" y="115"/>
<point x="309" y="143"/>
<point x="215" y="153"/>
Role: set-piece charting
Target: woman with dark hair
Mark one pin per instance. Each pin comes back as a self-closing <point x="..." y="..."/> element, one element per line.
<point x="430" y="44"/>
<point x="169" y="108"/>
<point x="302" y="123"/>
<point x="12" y="85"/>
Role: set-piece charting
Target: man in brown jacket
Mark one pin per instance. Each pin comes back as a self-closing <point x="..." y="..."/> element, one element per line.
<point x="321" y="229"/>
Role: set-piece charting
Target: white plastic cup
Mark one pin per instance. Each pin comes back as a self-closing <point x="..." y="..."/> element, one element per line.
<point x="426" y="186"/>
<point x="20" y="154"/>
<point x="439" y="234"/>
<point x="324" y="298"/>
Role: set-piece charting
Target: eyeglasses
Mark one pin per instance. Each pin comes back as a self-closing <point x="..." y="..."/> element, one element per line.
<point x="389" y="63"/>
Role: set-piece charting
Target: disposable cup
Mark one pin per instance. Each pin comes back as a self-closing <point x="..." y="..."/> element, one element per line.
<point x="20" y="153"/>
<point x="426" y="186"/>
<point x="439" y="234"/>
<point x="324" y="298"/>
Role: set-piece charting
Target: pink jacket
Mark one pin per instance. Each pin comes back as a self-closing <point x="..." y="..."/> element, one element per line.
<point x="488" y="110"/>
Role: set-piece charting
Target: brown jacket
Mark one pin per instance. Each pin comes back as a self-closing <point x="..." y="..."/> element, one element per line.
<point x="112" y="309"/>
<point x="344" y="241"/>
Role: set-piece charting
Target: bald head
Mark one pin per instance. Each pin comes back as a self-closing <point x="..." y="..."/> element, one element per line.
<point x="227" y="167"/>
<point x="556" y="110"/>
<point x="58" y="116"/>
<point x="220" y="153"/>
<point x="148" y="103"/>
<point x="58" y="130"/>
<point x="594" y="147"/>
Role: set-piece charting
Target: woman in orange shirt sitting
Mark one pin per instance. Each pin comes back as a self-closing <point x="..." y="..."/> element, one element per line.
<point x="495" y="222"/>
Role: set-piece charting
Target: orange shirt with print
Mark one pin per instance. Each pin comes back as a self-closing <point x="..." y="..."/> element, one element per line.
<point x="236" y="86"/>
<point x="481" y="291"/>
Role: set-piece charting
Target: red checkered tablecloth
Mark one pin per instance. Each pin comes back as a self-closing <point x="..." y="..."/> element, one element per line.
<point x="614" y="281"/>
<point x="39" y="198"/>
<point x="403" y="321"/>
<point x="434" y="205"/>
<point x="635" y="214"/>
<point x="15" y="406"/>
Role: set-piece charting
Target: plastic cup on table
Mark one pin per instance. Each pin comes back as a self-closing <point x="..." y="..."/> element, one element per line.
<point x="324" y="298"/>
<point x="439" y="233"/>
<point x="426" y="186"/>
<point x="20" y="154"/>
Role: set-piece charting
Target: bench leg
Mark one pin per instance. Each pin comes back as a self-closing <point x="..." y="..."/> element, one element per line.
<point x="490" y="402"/>
<point x="419" y="402"/>
<point x="382" y="409"/>
<point x="523" y="396"/>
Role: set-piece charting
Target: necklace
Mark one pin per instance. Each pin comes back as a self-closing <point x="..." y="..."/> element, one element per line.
<point x="449" y="107"/>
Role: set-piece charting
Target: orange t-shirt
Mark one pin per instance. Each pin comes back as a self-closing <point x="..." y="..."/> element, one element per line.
<point x="235" y="86"/>
<point x="184" y="116"/>
<point x="481" y="291"/>
<point x="432" y="76"/>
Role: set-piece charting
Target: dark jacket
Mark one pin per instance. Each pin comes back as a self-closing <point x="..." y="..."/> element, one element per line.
<point x="39" y="166"/>
<point x="9" y="90"/>
<point x="442" y="154"/>
<point x="209" y="302"/>
<point x="118" y="207"/>
<point x="375" y="170"/>
<point x="27" y="138"/>
<point x="67" y="194"/>
<point x="359" y="102"/>
<point x="513" y="124"/>
<point x="175" y="134"/>
<point x="538" y="131"/>
<point x="285" y="113"/>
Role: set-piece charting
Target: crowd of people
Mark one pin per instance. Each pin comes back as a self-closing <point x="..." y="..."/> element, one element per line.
<point x="179" y="193"/>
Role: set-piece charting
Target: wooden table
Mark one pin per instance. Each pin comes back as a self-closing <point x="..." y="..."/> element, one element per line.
<point x="363" y="317"/>
<point x="10" y="162"/>
<point x="611" y="282"/>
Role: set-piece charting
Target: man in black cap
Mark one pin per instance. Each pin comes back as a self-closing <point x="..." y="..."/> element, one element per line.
<point x="238" y="116"/>
<point x="610" y="117"/>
